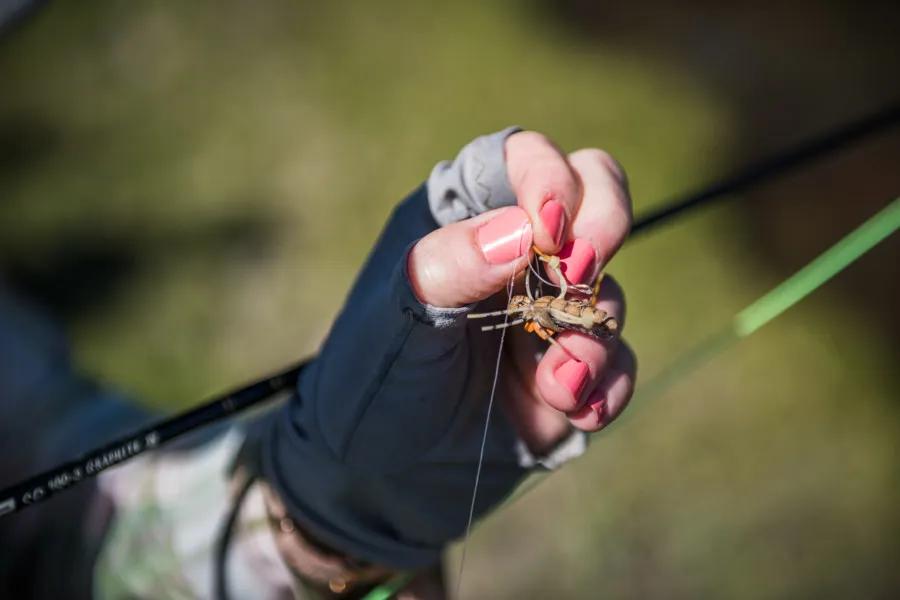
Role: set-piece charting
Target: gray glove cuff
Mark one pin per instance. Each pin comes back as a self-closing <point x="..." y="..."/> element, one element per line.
<point x="474" y="182"/>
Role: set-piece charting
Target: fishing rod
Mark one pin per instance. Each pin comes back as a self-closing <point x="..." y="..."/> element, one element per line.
<point x="774" y="166"/>
<point x="43" y="486"/>
<point x="39" y="488"/>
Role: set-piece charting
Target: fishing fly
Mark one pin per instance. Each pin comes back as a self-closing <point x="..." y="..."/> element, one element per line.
<point x="546" y="315"/>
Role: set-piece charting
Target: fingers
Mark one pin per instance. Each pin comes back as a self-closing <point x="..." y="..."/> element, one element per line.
<point x="580" y="209"/>
<point x="571" y="369"/>
<point x="468" y="261"/>
<point x="582" y="198"/>
<point x="539" y="426"/>
<point x="603" y="219"/>
<point x="545" y="185"/>
<point x="612" y="395"/>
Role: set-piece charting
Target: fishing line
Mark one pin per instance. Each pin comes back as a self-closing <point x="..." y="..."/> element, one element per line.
<point x="540" y="278"/>
<point x="484" y="434"/>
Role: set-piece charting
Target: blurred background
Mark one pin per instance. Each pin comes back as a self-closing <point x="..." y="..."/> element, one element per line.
<point x="191" y="187"/>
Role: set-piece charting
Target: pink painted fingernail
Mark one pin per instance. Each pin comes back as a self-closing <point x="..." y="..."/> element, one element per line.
<point x="577" y="260"/>
<point x="505" y="237"/>
<point x="553" y="216"/>
<point x="574" y="375"/>
<point x="597" y="402"/>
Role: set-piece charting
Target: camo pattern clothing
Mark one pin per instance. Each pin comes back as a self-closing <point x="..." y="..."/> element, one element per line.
<point x="170" y="508"/>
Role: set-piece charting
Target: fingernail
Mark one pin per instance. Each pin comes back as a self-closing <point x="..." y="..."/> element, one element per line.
<point x="577" y="260"/>
<point x="597" y="402"/>
<point x="506" y="237"/>
<point x="553" y="216"/>
<point x="574" y="375"/>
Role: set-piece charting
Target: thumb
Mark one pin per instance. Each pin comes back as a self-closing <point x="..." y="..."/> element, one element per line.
<point x="468" y="261"/>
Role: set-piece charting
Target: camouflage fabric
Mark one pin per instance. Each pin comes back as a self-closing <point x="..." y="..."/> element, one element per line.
<point x="170" y="508"/>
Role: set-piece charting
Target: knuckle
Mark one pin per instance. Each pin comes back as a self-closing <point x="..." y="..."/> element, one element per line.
<point x="538" y="170"/>
<point x="603" y="161"/>
<point x="550" y="178"/>
<point x="551" y="175"/>
<point x="521" y="148"/>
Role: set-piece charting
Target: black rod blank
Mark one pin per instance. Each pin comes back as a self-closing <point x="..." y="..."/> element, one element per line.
<point x="35" y="490"/>
<point x="773" y="166"/>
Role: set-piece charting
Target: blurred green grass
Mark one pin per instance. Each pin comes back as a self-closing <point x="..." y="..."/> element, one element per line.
<point x="246" y="157"/>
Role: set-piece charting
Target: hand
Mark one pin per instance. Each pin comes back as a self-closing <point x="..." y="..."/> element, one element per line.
<point x="575" y="206"/>
<point x="377" y="452"/>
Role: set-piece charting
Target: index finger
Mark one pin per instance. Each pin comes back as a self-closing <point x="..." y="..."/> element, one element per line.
<point x="545" y="186"/>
